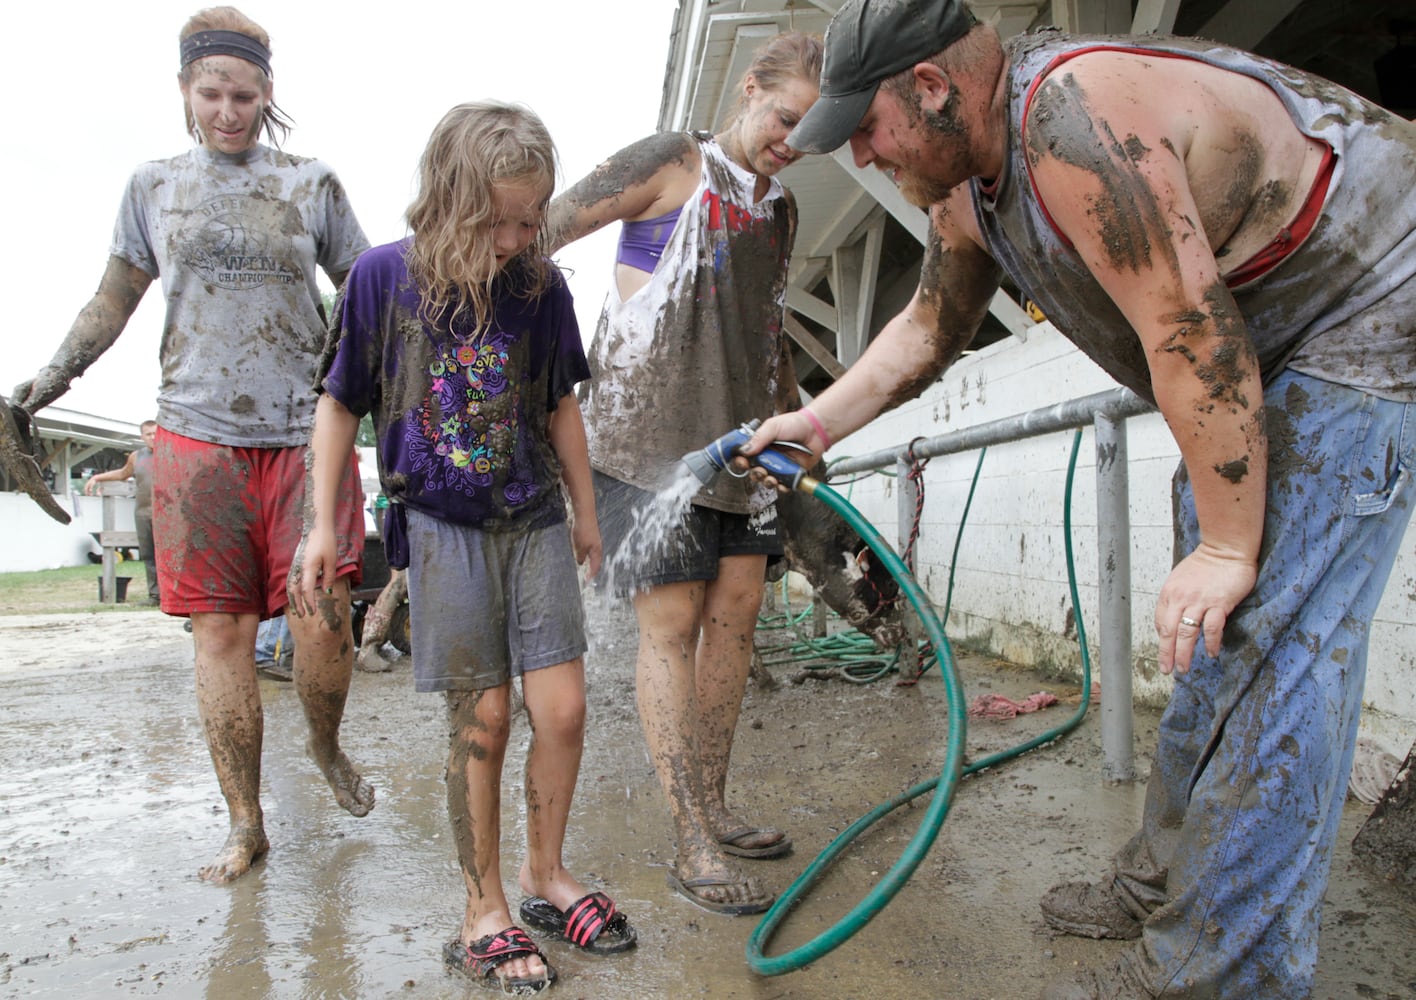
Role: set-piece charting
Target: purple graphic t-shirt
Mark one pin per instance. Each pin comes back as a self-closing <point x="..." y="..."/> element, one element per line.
<point x="463" y="420"/>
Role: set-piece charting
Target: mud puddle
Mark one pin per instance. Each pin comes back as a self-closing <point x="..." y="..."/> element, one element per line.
<point x="108" y="806"/>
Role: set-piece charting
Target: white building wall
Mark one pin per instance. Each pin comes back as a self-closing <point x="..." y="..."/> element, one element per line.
<point x="1010" y="594"/>
<point x="31" y="539"/>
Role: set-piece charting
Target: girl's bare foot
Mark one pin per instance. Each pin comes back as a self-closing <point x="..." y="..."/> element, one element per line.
<point x="561" y="889"/>
<point x="529" y="967"/>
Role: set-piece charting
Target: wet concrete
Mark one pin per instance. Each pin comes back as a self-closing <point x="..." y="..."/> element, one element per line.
<point x="108" y="806"/>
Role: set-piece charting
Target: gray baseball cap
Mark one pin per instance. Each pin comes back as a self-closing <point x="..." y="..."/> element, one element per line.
<point x="867" y="41"/>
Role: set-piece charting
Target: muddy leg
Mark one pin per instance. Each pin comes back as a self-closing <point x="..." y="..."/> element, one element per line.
<point x="324" y="663"/>
<point x="668" y="709"/>
<point x="730" y="610"/>
<point x="555" y="704"/>
<point x="480" y="723"/>
<point x="229" y="703"/>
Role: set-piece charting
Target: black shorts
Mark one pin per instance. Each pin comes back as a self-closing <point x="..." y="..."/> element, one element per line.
<point x="689" y="550"/>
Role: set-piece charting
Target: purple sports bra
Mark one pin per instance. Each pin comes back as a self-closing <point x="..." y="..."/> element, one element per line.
<point x="642" y="243"/>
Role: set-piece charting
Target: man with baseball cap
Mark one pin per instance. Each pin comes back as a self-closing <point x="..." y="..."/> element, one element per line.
<point x="1234" y="240"/>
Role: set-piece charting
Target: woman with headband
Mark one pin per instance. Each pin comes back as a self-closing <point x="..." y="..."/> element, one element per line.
<point x="235" y="230"/>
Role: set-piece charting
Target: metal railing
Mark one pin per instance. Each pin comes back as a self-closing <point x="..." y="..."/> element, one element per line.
<point x="1106" y="412"/>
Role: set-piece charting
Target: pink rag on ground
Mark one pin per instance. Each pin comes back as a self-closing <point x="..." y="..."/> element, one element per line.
<point x="997" y="706"/>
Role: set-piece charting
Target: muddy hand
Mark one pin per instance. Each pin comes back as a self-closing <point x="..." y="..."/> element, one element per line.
<point x="310" y="571"/>
<point x="1195" y="603"/>
<point x="19" y="463"/>
<point x="589" y="550"/>
<point x="791" y="429"/>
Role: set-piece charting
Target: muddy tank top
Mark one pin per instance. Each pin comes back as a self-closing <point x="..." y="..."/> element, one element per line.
<point x="700" y="348"/>
<point x="1340" y="305"/>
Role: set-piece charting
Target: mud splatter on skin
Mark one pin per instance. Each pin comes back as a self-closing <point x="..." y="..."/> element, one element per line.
<point x="334" y="615"/>
<point x="1230" y="362"/>
<point x="917" y="142"/>
<point x="1247" y="206"/>
<point x="94" y="330"/>
<point x="466" y="731"/>
<point x="947" y="121"/>
<point x="632" y="166"/>
<point x="1062" y="126"/>
<point x="949" y="284"/>
<point x="233" y="738"/>
<point x="1231" y="359"/>
<point x="1237" y="200"/>
<point x="234" y="741"/>
<point x="1235" y="471"/>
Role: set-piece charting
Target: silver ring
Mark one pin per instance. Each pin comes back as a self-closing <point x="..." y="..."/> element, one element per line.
<point x="1189" y="621"/>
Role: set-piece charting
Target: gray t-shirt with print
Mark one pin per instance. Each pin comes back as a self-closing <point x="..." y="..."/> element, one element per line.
<point x="236" y="240"/>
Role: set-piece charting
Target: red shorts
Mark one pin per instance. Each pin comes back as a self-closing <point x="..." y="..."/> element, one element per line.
<point x="227" y="520"/>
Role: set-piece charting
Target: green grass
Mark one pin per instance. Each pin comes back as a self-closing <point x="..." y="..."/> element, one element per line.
<point x="68" y="590"/>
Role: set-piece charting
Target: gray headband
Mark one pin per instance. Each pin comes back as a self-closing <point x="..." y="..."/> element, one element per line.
<point x="201" y="44"/>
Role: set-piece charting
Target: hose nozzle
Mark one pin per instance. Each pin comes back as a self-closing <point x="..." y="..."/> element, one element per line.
<point x="717" y="456"/>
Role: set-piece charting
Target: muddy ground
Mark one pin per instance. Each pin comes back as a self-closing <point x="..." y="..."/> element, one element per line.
<point x="108" y="806"/>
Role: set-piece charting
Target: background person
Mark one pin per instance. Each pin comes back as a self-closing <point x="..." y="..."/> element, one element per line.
<point x="236" y="230"/>
<point x="1234" y="240"/>
<point x="138" y="468"/>
<point x="690" y="344"/>
<point x="462" y="342"/>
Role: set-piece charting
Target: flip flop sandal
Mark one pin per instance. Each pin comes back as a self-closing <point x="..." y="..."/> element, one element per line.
<point x="480" y="960"/>
<point x="591" y="923"/>
<point x="686" y="888"/>
<point x="778" y="848"/>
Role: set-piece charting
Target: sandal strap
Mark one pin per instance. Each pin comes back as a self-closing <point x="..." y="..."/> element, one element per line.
<point x="495" y="950"/>
<point x="587" y="917"/>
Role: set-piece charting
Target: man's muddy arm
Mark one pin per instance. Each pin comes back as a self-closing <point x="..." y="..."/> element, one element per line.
<point x="957" y="282"/>
<point x="95" y="329"/>
<point x="1115" y="183"/>
<point x="642" y="179"/>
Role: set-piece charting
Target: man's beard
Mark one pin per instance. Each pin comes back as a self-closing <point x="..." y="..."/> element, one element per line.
<point x="921" y="192"/>
<point x="918" y="190"/>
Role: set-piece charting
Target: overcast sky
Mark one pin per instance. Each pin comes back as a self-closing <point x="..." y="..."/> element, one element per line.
<point x="94" y="93"/>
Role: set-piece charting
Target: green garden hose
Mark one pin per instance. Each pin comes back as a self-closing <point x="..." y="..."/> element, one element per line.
<point x="943" y="786"/>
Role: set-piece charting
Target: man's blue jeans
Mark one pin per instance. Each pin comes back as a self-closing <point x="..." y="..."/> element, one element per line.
<point x="1255" y="747"/>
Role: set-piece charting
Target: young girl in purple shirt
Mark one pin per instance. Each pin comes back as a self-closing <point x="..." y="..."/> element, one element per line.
<point x="462" y="342"/>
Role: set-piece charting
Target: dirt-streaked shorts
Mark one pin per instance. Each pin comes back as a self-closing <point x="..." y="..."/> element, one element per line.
<point x="688" y="551"/>
<point x="486" y="606"/>
<point x="227" y="522"/>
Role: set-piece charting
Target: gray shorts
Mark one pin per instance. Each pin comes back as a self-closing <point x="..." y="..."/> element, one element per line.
<point x="485" y="606"/>
<point x="689" y="551"/>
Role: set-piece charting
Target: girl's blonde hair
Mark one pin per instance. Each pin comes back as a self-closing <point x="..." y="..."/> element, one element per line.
<point x="230" y="19"/>
<point x="792" y="55"/>
<point x="476" y="146"/>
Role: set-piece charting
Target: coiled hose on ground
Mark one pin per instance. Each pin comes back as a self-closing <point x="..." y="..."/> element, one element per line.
<point x="952" y="771"/>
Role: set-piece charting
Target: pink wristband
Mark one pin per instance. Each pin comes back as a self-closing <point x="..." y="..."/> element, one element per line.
<point x="815" y="423"/>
